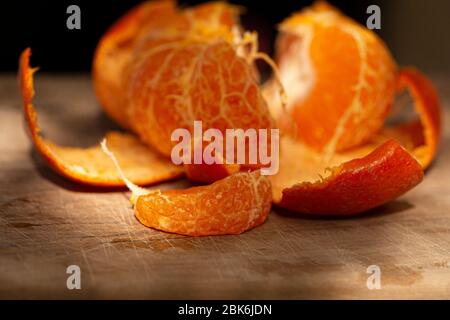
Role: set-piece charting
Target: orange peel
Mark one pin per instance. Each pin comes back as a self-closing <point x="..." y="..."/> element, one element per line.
<point x="422" y="136"/>
<point x="91" y="166"/>
<point x="208" y="172"/>
<point x="352" y="187"/>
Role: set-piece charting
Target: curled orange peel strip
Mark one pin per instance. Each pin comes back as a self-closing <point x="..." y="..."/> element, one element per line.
<point x="424" y="134"/>
<point x="357" y="185"/>
<point x="91" y="166"/>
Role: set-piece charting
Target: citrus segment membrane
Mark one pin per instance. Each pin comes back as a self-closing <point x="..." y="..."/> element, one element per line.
<point x="116" y="46"/>
<point x="156" y="20"/>
<point x="355" y="186"/>
<point x="151" y="20"/>
<point x="339" y="76"/>
<point x="232" y="205"/>
<point x="186" y="81"/>
<point x="90" y="165"/>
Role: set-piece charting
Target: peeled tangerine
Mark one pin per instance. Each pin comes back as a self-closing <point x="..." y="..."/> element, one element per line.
<point x="340" y="80"/>
<point x="159" y="68"/>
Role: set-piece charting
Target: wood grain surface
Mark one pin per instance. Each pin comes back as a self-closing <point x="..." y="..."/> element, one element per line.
<point x="48" y="223"/>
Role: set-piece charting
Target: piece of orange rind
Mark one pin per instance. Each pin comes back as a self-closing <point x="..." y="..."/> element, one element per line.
<point x="425" y="133"/>
<point x="350" y="188"/>
<point x="90" y="166"/>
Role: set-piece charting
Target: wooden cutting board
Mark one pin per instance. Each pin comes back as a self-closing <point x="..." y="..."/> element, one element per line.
<point x="48" y="223"/>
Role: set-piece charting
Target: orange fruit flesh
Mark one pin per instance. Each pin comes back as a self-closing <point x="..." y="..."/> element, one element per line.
<point x="115" y="50"/>
<point x="230" y="206"/>
<point x="339" y="77"/>
<point x="189" y="80"/>
<point x="150" y="20"/>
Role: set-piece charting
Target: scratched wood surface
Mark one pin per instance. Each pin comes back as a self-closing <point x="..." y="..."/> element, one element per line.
<point x="48" y="223"/>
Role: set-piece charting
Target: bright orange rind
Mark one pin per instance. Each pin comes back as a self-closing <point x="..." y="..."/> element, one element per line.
<point x="91" y="166"/>
<point x="352" y="187"/>
<point x="421" y="137"/>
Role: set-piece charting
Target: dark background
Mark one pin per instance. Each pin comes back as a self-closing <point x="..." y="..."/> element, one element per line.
<point x="417" y="31"/>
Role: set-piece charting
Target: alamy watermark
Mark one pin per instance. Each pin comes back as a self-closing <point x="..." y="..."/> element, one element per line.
<point x="74" y="19"/>
<point x="250" y="146"/>
<point x="374" y="280"/>
<point x="74" y="280"/>
<point x="374" y="20"/>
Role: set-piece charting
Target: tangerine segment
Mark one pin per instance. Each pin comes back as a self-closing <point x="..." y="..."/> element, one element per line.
<point x="185" y="80"/>
<point x="339" y="77"/>
<point x="421" y="137"/>
<point x="350" y="188"/>
<point x="150" y="20"/>
<point x="91" y="166"/>
<point x="116" y="46"/>
<point x="229" y="206"/>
